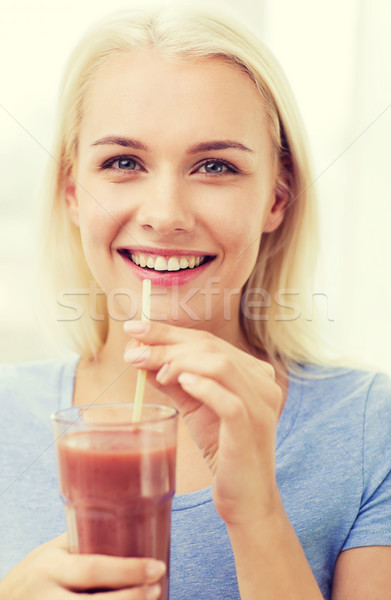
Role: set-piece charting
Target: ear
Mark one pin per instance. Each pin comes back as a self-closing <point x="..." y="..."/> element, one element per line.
<point x="282" y="195"/>
<point x="276" y="215"/>
<point x="71" y="199"/>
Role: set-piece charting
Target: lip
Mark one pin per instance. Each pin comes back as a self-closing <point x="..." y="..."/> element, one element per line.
<point x="163" y="251"/>
<point x="165" y="278"/>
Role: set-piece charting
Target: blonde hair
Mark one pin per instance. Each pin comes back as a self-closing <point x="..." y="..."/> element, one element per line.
<point x="286" y="257"/>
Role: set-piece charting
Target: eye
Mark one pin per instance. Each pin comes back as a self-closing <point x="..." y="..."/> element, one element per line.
<point x="216" y="167"/>
<point x="122" y="163"/>
<point x="129" y="164"/>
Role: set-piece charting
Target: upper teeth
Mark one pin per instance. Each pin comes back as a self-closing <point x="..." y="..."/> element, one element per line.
<point x="161" y="263"/>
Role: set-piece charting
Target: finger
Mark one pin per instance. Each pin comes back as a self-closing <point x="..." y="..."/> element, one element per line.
<point x="58" y="543"/>
<point x="235" y="430"/>
<point x="150" y="592"/>
<point x="154" y="332"/>
<point x="210" y="364"/>
<point x="152" y="358"/>
<point x="83" y="571"/>
<point x="243" y="376"/>
<point x="224" y="403"/>
<point x="235" y="371"/>
<point x="237" y="411"/>
<point x="203" y="354"/>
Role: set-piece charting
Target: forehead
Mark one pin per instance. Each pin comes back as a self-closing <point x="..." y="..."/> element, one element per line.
<point x="143" y="92"/>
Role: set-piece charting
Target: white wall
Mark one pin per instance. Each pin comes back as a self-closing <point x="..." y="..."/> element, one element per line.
<point x="336" y="57"/>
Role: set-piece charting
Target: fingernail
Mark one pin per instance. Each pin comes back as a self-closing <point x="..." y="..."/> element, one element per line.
<point x="155" y="569"/>
<point x="153" y="592"/>
<point x="136" y="326"/>
<point x="187" y="379"/>
<point x="160" y="375"/>
<point x="137" y="355"/>
<point x="132" y="344"/>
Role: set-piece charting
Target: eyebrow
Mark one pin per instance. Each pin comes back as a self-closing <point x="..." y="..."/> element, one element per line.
<point x="218" y="145"/>
<point x="201" y="147"/>
<point x="121" y="141"/>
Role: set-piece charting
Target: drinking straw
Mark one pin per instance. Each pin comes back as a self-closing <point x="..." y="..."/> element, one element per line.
<point x="142" y="374"/>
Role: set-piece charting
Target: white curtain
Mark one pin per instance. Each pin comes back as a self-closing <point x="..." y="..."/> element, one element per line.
<point x="336" y="56"/>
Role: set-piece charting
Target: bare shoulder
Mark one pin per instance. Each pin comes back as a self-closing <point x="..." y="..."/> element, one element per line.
<point x="363" y="574"/>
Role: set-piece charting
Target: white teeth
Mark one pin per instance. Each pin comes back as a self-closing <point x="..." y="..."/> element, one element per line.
<point x="143" y="261"/>
<point x="160" y="264"/>
<point x="172" y="263"/>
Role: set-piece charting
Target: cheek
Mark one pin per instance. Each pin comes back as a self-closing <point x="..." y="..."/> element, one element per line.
<point x="98" y="222"/>
<point x="241" y="232"/>
<point x="104" y="212"/>
<point x="241" y="228"/>
<point x="98" y="229"/>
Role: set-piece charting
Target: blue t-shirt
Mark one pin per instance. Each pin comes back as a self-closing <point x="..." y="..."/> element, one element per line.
<point x="333" y="471"/>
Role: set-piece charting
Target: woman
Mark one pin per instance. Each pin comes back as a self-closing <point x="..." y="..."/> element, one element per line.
<point x="180" y="158"/>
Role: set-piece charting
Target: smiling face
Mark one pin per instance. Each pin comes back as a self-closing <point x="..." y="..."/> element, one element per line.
<point x="174" y="181"/>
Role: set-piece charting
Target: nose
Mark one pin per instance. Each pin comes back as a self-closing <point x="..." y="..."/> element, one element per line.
<point x="166" y="207"/>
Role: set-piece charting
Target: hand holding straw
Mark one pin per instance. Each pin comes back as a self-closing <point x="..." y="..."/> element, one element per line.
<point x="142" y="374"/>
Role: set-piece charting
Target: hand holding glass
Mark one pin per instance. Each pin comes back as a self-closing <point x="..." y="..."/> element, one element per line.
<point x="117" y="479"/>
